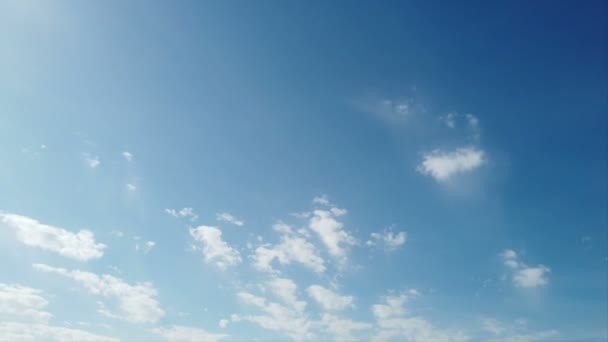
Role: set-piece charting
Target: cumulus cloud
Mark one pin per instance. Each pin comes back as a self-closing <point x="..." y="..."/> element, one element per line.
<point x="127" y="155"/>
<point x="291" y="248"/>
<point x="388" y="239"/>
<point x="19" y="331"/>
<point x="525" y="276"/>
<point x="393" y="323"/>
<point x="444" y="165"/>
<point x="24" y="302"/>
<point x="342" y="328"/>
<point x="80" y="246"/>
<point x="285" y="289"/>
<point x="331" y="231"/>
<point x="136" y="303"/>
<point x="184" y="212"/>
<point x="178" y="333"/>
<point x="330" y="300"/>
<point x="227" y="217"/>
<point x="214" y="249"/>
<point x="322" y="200"/>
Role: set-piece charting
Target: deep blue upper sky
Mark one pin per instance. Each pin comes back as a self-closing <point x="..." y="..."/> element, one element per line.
<point x="478" y="130"/>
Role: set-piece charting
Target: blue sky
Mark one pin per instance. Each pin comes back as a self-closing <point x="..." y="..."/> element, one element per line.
<point x="202" y="171"/>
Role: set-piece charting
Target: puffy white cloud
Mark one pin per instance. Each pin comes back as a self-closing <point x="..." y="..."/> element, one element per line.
<point x="18" y="331"/>
<point x="443" y="165"/>
<point x="322" y="200"/>
<point x="393" y="323"/>
<point x="80" y="246"/>
<point x="227" y="217"/>
<point x="390" y="240"/>
<point x="331" y="231"/>
<point x="136" y="303"/>
<point x="290" y="249"/>
<point x="277" y="317"/>
<point x="23" y="301"/>
<point x="223" y="323"/>
<point x="178" y="333"/>
<point x="215" y="249"/>
<point x="91" y="161"/>
<point x="330" y="300"/>
<point x="525" y="276"/>
<point x="184" y="212"/>
<point x="127" y="155"/>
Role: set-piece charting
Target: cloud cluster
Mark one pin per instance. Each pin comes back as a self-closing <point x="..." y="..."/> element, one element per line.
<point x="136" y="303"/>
<point x="80" y="246"/>
<point x="391" y="241"/>
<point x="525" y="276"/>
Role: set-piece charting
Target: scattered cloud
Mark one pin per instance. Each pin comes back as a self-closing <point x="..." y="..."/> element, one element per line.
<point x="145" y="247"/>
<point x="330" y="300"/>
<point x="92" y="161"/>
<point x="331" y="231"/>
<point x="285" y="289"/>
<point x="223" y="323"/>
<point x="291" y="248"/>
<point x="178" y="333"/>
<point x="215" y="250"/>
<point x="19" y="331"/>
<point x="322" y="200"/>
<point x="444" y="165"/>
<point x="80" y="246"/>
<point x="130" y="187"/>
<point x="128" y="156"/>
<point x="227" y="217"/>
<point x="136" y="303"/>
<point x="525" y="276"/>
<point x="388" y="239"/>
<point x="184" y="212"/>
<point x="514" y="332"/>
<point x="449" y="119"/>
<point x="342" y="328"/>
<point x="393" y="323"/>
<point x="22" y="301"/>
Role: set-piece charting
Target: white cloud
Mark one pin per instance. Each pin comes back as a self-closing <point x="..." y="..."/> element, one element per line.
<point x="184" y="212"/>
<point x="331" y="231"/>
<point x="330" y="300"/>
<point x="392" y="323"/>
<point x="127" y="155"/>
<point x="227" y="217"/>
<point x="504" y="332"/>
<point x="449" y="119"/>
<point x="290" y="249"/>
<point x="23" y="301"/>
<point x="443" y="165"/>
<point x="525" y="276"/>
<point x="276" y="317"/>
<point x="80" y="246"/>
<point x="390" y="240"/>
<point x="223" y="323"/>
<point x="18" y="331"/>
<point x="136" y="303"/>
<point x="92" y="161"/>
<point x="285" y="289"/>
<point x="342" y="328"/>
<point x="214" y="248"/>
<point x="322" y="200"/>
<point x="178" y="333"/>
<point x="130" y="187"/>
<point x="473" y="124"/>
<point x="145" y="247"/>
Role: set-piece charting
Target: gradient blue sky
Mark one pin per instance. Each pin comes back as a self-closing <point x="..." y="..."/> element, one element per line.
<point x="276" y="170"/>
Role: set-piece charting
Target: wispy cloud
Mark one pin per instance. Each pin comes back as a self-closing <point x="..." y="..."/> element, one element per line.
<point x="91" y="161"/>
<point x="177" y="333"/>
<point x="227" y="217"/>
<point x="390" y="240"/>
<point x="24" y="302"/>
<point x="136" y="303"/>
<point x="128" y="156"/>
<point x="184" y="212"/>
